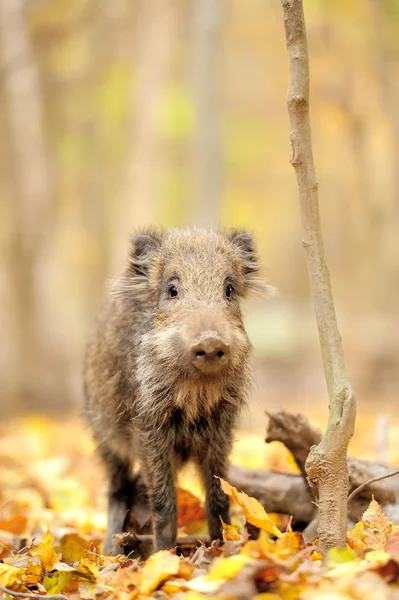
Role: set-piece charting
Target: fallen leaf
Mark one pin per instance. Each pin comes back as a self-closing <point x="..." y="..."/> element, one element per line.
<point x="191" y="512"/>
<point x="45" y="551"/>
<point x="392" y="545"/>
<point x="32" y="574"/>
<point x="73" y="547"/>
<point x="377" y="527"/>
<point x="355" y="537"/>
<point x="230" y="532"/>
<point x="253" y="510"/>
<point x="56" y="582"/>
<point x="157" y="569"/>
<point x="87" y="569"/>
<point x="227" y="568"/>
<point x="15" y="525"/>
<point x="339" y="556"/>
<point x="9" y="575"/>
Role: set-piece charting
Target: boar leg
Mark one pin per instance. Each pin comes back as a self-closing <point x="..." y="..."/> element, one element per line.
<point x="120" y="496"/>
<point x="159" y="478"/>
<point x="217" y="502"/>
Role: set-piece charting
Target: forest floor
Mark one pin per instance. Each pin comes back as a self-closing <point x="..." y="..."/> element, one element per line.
<point x="52" y="523"/>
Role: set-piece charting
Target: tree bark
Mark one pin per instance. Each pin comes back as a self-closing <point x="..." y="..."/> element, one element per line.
<point x="326" y="465"/>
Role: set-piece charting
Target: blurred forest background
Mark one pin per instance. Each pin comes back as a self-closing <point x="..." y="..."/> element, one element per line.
<point x="118" y="113"/>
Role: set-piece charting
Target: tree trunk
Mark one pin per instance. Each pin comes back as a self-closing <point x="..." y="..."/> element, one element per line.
<point x="156" y="28"/>
<point x="207" y="143"/>
<point x="32" y="206"/>
<point x="326" y="465"/>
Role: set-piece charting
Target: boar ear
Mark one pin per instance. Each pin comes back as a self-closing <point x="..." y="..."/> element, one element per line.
<point x="245" y="243"/>
<point x="143" y="247"/>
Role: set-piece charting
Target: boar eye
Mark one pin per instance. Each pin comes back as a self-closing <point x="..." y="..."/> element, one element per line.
<point x="229" y="290"/>
<point x="172" y="290"/>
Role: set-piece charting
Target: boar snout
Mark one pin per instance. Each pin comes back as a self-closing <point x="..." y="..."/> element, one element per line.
<point x="210" y="354"/>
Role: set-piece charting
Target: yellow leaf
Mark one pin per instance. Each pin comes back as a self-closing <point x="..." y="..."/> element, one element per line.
<point x="355" y="537"/>
<point x="73" y="547"/>
<point x="227" y="568"/>
<point x="157" y="569"/>
<point x="288" y="544"/>
<point x="316" y="556"/>
<point x="87" y="569"/>
<point x="9" y="575"/>
<point x="230" y="532"/>
<point x="377" y="527"/>
<point x="45" y="551"/>
<point x="32" y="573"/>
<point x="56" y="583"/>
<point x="253" y="510"/>
<point x="338" y="556"/>
<point x="265" y="547"/>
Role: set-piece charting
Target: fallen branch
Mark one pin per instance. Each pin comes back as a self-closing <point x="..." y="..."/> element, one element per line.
<point x="278" y="492"/>
<point x="289" y="493"/>
<point x="33" y="595"/>
<point x="298" y="435"/>
<point x="134" y="540"/>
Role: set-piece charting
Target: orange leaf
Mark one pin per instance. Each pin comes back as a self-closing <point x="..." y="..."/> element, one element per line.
<point x="190" y="509"/>
<point x="15" y="525"/>
<point x="377" y="527"/>
<point x="253" y="510"/>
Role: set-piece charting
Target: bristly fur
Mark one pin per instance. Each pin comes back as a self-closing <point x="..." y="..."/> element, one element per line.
<point x="145" y="401"/>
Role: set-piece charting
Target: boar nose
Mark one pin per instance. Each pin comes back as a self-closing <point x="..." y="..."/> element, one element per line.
<point x="210" y="355"/>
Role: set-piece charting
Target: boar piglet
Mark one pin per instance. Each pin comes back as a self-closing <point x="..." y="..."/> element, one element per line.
<point x="167" y="370"/>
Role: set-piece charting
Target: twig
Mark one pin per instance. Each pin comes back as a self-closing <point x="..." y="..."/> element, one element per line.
<point x="369" y="481"/>
<point x="109" y="568"/>
<point x="33" y="595"/>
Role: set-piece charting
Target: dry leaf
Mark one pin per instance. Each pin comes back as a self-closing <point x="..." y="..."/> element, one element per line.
<point x="157" y="569"/>
<point x="16" y="524"/>
<point x="45" y="551"/>
<point x="355" y="537"/>
<point x="191" y="512"/>
<point x="87" y="569"/>
<point x="73" y="547"/>
<point x="227" y="568"/>
<point x="33" y="573"/>
<point x="377" y="527"/>
<point x="230" y="533"/>
<point x="253" y="510"/>
<point x="9" y="575"/>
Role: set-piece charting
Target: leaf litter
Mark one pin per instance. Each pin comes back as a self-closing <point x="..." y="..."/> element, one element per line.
<point x="52" y="525"/>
